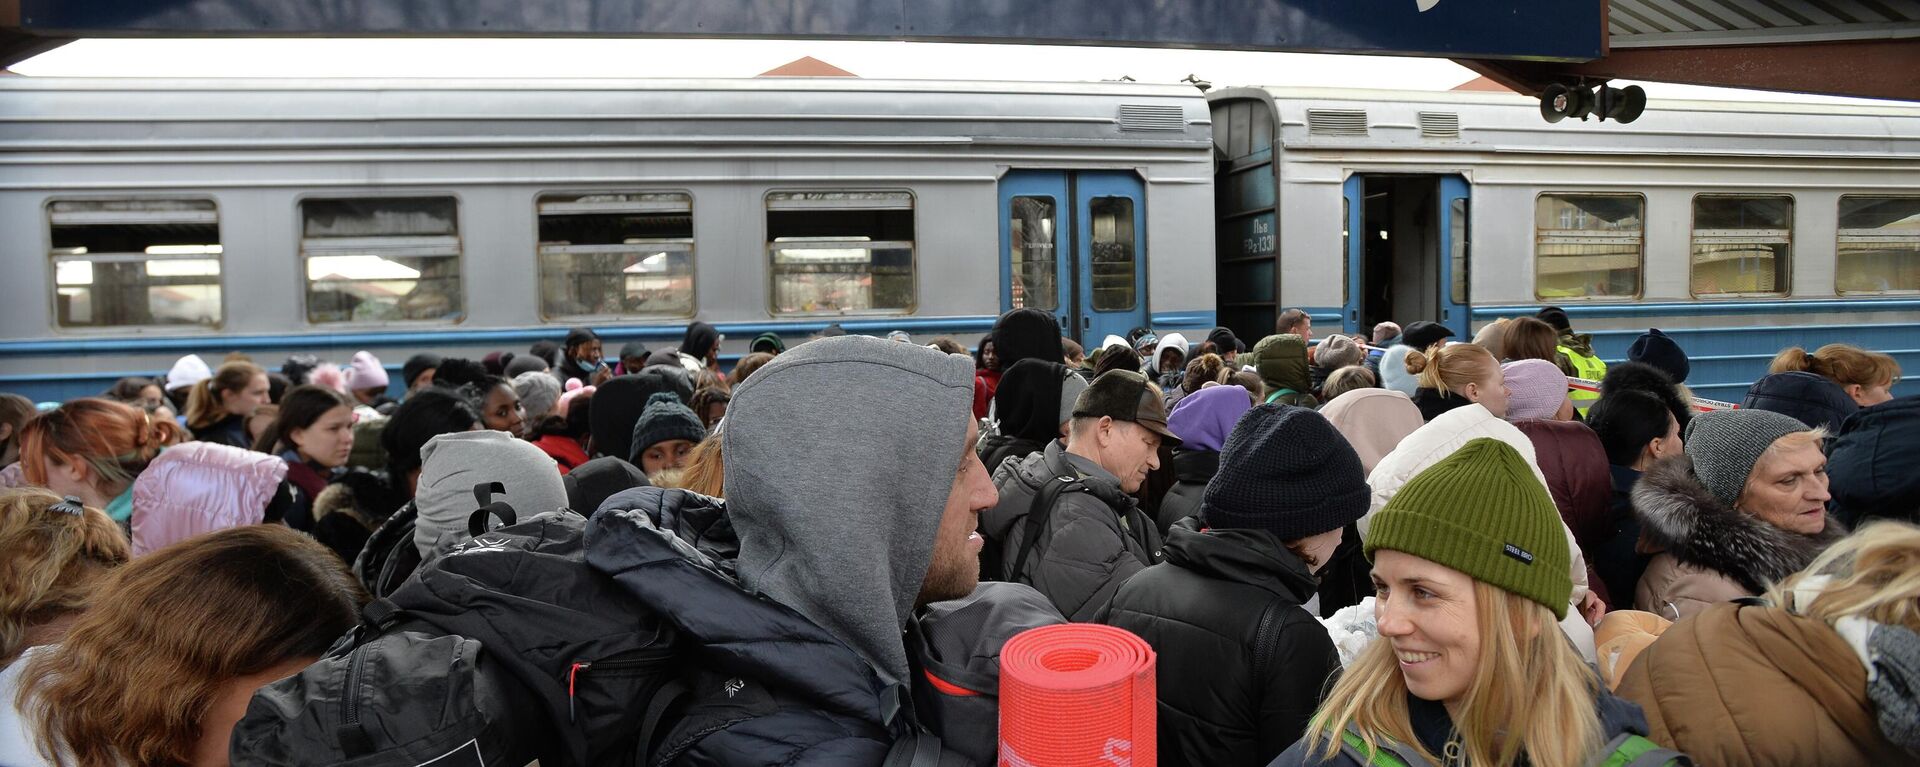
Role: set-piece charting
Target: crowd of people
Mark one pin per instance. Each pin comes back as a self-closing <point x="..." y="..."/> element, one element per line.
<point x="1403" y="548"/>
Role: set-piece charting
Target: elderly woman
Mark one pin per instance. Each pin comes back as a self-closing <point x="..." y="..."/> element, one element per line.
<point x="1742" y="507"/>
<point x="1470" y="570"/>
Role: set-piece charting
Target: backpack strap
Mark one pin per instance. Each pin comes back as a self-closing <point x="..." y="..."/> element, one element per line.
<point x="1630" y="750"/>
<point x="663" y="699"/>
<point x="1353" y="746"/>
<point x="1266" y="640"/>
<point x="1038" y="513"/>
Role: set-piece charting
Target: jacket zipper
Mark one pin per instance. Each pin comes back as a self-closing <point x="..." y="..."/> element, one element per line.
<point x="573" y="672"/>
<point x="350" y="716"/>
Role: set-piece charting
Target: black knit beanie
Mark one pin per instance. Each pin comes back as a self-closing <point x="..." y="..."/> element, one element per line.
<point x="1659" y="350"/>
<point x="1287" y="471"/>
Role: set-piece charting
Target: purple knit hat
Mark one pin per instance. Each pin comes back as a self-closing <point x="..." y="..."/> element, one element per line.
<point x="1202" y="420"/>
<point x="1537" y="388"/>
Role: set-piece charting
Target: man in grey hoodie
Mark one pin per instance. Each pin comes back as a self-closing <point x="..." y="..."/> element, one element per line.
<point x="853" y="486"/>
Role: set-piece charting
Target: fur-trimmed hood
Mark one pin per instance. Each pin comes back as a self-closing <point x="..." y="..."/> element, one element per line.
<point x="1678" y="514"/>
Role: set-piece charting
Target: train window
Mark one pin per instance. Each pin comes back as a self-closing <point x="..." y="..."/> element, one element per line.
<point x="616" y="253"/>
<point x="1114" y="260"/>
<point x="1588" y="245"/>
<point x="1741" y="245"/>
<point x="1036" y="270"/>
<point x="135" y="262"/>
<point x="1879" y="248"/>
<point x="834" y="252"/>
<point x="381" y="258"/>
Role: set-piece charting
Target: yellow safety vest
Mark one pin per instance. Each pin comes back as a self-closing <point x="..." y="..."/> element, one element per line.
<point x="1585" y="366"/>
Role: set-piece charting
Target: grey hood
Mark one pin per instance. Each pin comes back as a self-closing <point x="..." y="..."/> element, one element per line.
<point x="840" y="456"/>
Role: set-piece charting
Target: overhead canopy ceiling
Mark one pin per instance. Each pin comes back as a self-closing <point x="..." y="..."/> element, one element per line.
<point x="1842" y="47"/>
<point x="1865" y="48"/>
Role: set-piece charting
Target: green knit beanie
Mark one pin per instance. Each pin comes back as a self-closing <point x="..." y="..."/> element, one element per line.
<point x="1482" y="511"/>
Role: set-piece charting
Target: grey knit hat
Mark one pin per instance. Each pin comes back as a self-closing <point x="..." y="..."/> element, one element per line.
<point x="1725" y="444"/>
<point x="539" y="391"/>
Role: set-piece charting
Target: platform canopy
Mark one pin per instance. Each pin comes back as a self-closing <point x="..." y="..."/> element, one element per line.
<point x="1842" y="47"/>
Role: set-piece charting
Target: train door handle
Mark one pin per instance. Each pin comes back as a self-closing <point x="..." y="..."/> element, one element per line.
<point x="1086" y="323"/>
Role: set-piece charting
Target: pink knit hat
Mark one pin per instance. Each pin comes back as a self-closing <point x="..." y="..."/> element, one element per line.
<point x="566" y="400"/>
<point x="1537" y="388"/>
<point x="365" y="372"/>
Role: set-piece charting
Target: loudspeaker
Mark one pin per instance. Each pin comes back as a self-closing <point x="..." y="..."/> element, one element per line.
<point x="1559" y="102"/>
<point x="1621" y="104"/>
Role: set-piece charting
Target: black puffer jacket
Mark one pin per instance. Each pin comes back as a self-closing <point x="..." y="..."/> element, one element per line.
<point x="1242" y="665"/>
<point x="1192" y="470"/>
<point x="767" y="685"/>
<point x="1875" y="463"/>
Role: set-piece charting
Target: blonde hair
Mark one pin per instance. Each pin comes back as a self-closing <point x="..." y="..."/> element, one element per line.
<point x="704" y="472"/>
<point x="1531" y="694"/>
<point x="1797" y="440"/>
<point x="1844" y="364"/>
<point x="54" y="560"/>
<point x="1873" y="574"/>
<point x="1448" y="369"/>
<point x="204" y="404"/>
<point x="1344" y="380"/>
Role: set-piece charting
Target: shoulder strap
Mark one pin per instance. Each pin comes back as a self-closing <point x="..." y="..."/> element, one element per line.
<point x="664" y="698"/>
<point x="1038" y="513"/>
<point x="1630" y="750"/>
<point x="1266" y="640"/>
<point x="1357" y="748"/>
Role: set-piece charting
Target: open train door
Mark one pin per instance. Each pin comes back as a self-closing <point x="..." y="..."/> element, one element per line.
<point x="1408" y="250"/>
<point x="1072" y="243"/>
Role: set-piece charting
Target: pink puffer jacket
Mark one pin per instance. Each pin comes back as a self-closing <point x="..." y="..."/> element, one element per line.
<point x="200" y="487"/>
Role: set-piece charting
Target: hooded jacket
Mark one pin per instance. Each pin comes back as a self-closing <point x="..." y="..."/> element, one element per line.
<point x="1433" y="728"/>
<point x="695" y="346"/>
<point x="1438" y="439"/>
<point x="1746" y="686"/>
<point x="1202" y="421"/>
<point x="840" y="456"/>
<point x="1027" y="333"/>
<point x="1810" y="397"/>
<point x="618" y="403"/>
<point x="1170" y="379"/>
<point x="1241" y="663"/>
<point x="767" y="685"/>
<point x="1027" y="402"/>
<point x="1875" y="463"/>
<point x="1706" y="551"/>
<point x="200" y="487"/>
<point x="1374" y="421"/>
<point x="452" y="464"/>
<point x="1281" y="362"/>
<point x="1093" y="541"/>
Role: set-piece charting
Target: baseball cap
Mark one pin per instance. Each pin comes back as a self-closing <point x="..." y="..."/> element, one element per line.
<point x="1125" y="395"/>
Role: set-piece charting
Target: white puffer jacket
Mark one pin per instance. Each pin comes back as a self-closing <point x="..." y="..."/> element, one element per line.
<point x="1438" y="439"/>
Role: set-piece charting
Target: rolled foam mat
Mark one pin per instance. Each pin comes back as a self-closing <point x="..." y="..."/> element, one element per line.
<point x="1077" y="694"/>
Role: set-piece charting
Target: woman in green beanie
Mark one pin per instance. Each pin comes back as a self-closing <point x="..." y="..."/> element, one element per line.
<point x="1470" y="570"/>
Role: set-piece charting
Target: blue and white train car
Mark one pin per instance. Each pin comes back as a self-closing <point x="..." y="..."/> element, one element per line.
<point x="141" y="220"/>
<point x="1737" y="228"/>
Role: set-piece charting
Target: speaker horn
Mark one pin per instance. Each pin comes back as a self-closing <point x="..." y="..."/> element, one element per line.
<point x="1559" y="102"/>
<point x="1622" y="105"/>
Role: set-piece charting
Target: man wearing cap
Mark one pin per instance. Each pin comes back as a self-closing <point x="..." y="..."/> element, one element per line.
<point x="1088" y="534"/>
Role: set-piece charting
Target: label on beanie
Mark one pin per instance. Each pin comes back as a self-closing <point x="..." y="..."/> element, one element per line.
<point x="1519" y="553"/>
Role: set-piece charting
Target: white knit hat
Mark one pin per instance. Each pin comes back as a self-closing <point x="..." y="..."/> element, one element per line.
<point x="187" y="371"/>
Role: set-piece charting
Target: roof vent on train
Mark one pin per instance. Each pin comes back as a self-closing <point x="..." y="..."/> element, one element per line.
<point x="1144" y="117"/>
<point x="1337" y="122"/>
<point x="1440" y="125"/>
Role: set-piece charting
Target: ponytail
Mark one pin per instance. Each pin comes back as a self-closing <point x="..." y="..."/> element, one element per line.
<point x="1448" y="369"/>
<point x="116" y="441"/>
<point x="204" y="405"/>
<point x="1843" y="364"/>
<point x="1794" y="359"/>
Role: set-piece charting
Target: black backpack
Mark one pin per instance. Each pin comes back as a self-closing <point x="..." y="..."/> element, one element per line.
<point x="458" y="708"/>
<point x="598" y="668"/>
<point x="993" y="566"/>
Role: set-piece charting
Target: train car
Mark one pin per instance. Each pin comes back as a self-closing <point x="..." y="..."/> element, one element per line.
<point x="142" y="220"/>
<point x="1736" y="228"/>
